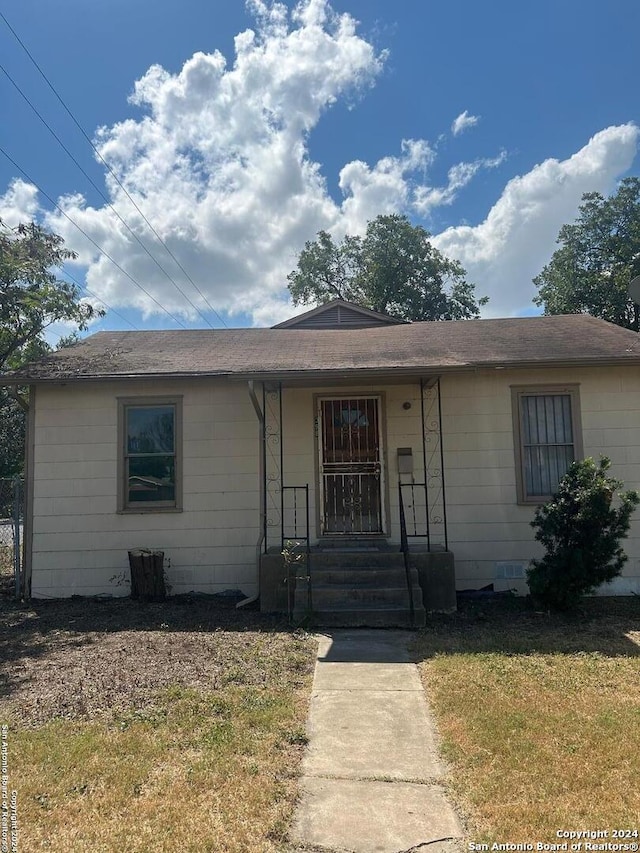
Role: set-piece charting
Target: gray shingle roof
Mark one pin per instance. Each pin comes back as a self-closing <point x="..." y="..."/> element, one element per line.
<point x="425" y="347"/>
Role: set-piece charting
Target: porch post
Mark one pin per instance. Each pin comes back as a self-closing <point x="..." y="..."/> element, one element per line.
<point x="273" y="462"/>
<point x="433" y="456"/>
<point x="425" y="461"/>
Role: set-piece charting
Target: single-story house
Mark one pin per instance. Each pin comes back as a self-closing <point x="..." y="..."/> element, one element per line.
<point x="338" y="427"/>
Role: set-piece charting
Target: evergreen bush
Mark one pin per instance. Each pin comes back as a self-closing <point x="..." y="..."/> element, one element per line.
<point x="581" y="533"/>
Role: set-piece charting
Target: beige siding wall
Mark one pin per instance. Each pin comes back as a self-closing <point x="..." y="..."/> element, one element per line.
<point x="80" y="541"/>
<point x="485" y="523"/>
<point x="487" y="528"/>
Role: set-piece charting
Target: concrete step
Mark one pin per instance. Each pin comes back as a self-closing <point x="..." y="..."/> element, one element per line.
<point x="356" y="559"/>
<point x="329" y="597"/>
<point x="369" y="543"/>
<point x="380" y="617"/>
<point x="359" y="583"/>
<point x="360" y="576"/>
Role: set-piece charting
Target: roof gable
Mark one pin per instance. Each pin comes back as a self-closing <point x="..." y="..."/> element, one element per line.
<point x="339" y="314"/>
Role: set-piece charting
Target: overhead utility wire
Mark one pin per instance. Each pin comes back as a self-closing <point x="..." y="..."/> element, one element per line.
<point x="107" y="166"/>
<point x="90" y="239"/>
<point x="82" y="287"/>
<point x="102" y="195"/>
<point x="99" y="298"/>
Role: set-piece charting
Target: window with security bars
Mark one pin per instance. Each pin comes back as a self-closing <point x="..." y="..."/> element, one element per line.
<point x="547" y="439"/>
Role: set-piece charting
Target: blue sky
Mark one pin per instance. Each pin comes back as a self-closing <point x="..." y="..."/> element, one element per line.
<point x="238" y="148"/>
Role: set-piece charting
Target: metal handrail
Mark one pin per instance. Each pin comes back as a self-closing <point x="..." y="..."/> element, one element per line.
<point x="404" y="545"/>
<point x="298" y="534"/>
<point x="420" y="523"/>
<point x="418" y="530"/>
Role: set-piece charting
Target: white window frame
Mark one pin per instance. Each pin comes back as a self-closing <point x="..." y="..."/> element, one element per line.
<point x="517" y="394"/>
<point x="124" y="505"/>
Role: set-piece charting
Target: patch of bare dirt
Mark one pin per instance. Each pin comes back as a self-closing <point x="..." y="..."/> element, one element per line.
<point x="80" y="658"/>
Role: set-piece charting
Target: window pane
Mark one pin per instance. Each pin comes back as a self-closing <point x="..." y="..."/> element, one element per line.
<point x="540" y="434"/>
<point x="150" y="429"/>
<point x="559" y="414"/>
<point x="546" y="419"/>
<point x="530" y="420"/>
<point x="535" y="472"/>
<point x="566" y="436"/>
<point x="151" y="478"/>
<point x="547" y="439"/>
<point x="561" y="457"/>
<point x="544" y="467"/>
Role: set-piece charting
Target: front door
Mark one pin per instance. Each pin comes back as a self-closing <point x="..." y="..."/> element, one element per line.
<point x="350" y="466"/>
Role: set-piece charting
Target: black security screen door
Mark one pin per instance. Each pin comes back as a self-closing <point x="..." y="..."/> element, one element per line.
<point x="350" y="464"/>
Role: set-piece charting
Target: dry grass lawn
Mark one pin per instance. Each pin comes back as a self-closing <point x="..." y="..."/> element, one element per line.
<point x="180" y="726"/>
<point x="156" y="727"/>
<point x="539" y="717"/>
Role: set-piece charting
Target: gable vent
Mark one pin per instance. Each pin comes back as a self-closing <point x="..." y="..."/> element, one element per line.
<point x="339" y="317"/>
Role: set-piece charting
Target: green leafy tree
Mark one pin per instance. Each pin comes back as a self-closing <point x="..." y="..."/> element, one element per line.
<point x="598" y="256"/>
<point x="393" y="269"/>
<point x="12" y="427"/>
<point x="581" y="532"/>
<point x="32" y="297"/>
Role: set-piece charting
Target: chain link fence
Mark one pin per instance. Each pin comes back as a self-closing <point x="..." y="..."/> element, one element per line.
<point x="11" y="527"/>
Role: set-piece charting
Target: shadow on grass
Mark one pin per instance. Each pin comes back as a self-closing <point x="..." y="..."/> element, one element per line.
<point x="511" y="626"/>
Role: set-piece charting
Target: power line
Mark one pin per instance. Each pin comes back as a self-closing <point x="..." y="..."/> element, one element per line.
<point x="90" y="239"/>
<point x="82" y="287"/>
<point x="102" y="195"/>
<point x="100" y="299"/>
<point x="108" y="167"/>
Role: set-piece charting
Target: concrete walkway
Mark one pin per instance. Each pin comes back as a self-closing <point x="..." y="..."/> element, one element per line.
<point x="371" y="771"/>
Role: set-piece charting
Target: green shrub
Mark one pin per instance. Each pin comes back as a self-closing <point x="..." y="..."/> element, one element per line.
<point x="581" y="533"/>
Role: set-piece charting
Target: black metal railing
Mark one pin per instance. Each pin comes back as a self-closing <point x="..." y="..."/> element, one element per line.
<point x="404" y="545"/>
<point x="422" y="520"/>
<point x="295" y="540"/>
<point x="415" y="510"/>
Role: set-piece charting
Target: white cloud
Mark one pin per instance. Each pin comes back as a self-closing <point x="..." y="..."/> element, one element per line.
<point x="463" y="122"/>
<point x="503" y="253"/>
<point x="426" y="198"/>
<point x="19" y="203"/>
<point x="385" y="188"/>
<point x="219" y="163"/>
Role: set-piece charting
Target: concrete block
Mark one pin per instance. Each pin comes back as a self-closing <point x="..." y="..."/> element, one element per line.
<point x="437" y="576"/>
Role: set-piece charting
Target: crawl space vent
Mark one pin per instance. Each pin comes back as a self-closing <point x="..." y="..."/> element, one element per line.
<point x="509" y="571"/>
